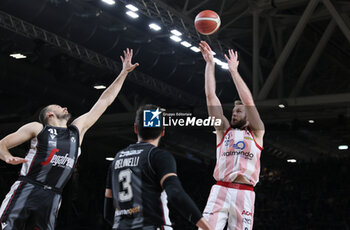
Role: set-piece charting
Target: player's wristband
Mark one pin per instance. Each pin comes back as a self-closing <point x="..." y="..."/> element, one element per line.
<point x="178" y="198"/>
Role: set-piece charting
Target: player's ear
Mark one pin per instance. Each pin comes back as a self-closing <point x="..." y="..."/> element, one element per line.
<point x="49" y="114"/>
<point x="135" y="129"/>
<point x="163" y="132"/>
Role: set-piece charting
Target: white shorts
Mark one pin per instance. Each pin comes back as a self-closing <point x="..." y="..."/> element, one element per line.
<point x="235" y="206"/>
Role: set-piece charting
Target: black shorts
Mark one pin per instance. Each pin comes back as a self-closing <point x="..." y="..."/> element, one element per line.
<point x="29" y="207"/>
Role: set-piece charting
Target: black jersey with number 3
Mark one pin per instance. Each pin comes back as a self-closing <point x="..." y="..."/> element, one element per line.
<point x="52" y="156"/>
<point x="134" y="177"/>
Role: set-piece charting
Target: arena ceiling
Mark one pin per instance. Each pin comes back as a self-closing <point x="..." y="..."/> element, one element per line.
<point x="292" y="52"/>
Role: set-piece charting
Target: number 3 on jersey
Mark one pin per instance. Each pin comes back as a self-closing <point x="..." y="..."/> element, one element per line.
<point x="125" y="180"/>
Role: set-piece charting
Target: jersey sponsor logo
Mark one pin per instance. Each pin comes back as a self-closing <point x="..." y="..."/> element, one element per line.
<point x="60" y="161"/>
<point x="247" y="213"/>
<point x="127" y="162"/>
<point x="52" y="153"/>
<point x="247" y="221"/>
<point x="239" y="145"/>
<point x="129" y="211"/>
<point x="63" y="161"/>
<point x="243" y="154"/>
<point x="151" y="118"/>
<point x="130" y="153"/>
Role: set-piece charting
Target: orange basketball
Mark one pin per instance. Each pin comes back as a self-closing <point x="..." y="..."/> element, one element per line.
<point x="207" y="22"/>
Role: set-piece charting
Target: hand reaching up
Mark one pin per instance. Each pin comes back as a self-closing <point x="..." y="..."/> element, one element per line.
<point x="127" y="65"/>
<point x="206" y="52"/>
<point x="232" y="60"/>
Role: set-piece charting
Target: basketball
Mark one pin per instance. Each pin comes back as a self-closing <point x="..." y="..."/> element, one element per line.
<point x="207" y="22"/>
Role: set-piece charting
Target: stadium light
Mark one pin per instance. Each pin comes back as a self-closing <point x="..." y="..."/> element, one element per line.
<point x="176" y="32"/>
<point x="132" y="7"/>
<point x="109" y="2"/>
<point x="218" y="61"/>
<point x="175" y="38"/>
<point x="109" y="158"/>
<point x="155" y="27"/>
<point x="291" y="160"/>
<point x="282" y="106"/>
<point x="99" y="87"/>
<point x="186" y="44"/>
<point x="195" y="49"/>
<point x="343" y="147"/>
<point x="18" y="56"/>
<point x="311" y="121"/>
<point x="132" y="14"/>
<point x="224" y="66"/>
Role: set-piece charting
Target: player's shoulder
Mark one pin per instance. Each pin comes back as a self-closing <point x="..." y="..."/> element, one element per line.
<point x="159" y="152"/>
<point x="32" y="129"/>
<point x="34" y="126"/>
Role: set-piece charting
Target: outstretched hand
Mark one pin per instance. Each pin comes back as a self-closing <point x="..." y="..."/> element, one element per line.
<point x="206" y="52"/>
<point x="127" y="65"/>
<point x="15" y="160"/>
<point x="232" y="60"/>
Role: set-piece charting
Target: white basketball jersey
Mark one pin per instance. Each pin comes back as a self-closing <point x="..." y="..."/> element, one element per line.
<point x="238" y="154"/>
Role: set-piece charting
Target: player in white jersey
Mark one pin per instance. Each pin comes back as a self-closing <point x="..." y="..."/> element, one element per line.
<point x="238" y="151"/>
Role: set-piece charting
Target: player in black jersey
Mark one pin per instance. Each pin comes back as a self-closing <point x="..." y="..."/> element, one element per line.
<point x="136" y="180"/>
<point x="34" y="199"/>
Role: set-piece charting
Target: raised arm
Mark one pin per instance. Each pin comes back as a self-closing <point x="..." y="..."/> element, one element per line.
<point x="253" y="117"/>
<point x="23" y="134"/>
<point x="213" y="102"/>
<point x="84" y="122"/>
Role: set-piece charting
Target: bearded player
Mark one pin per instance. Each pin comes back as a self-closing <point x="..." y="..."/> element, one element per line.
<point x="34" y="199"/>
<point x="238" y="150"/>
